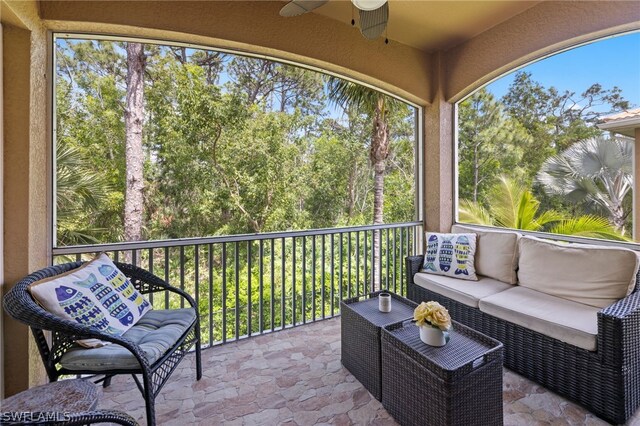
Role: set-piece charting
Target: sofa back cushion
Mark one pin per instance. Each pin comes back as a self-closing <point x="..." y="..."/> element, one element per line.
<point x="593" y="275"/>
<point x="496" y="252"/>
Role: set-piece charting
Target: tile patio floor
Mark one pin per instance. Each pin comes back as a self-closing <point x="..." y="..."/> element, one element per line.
<point x="294" y="377"/>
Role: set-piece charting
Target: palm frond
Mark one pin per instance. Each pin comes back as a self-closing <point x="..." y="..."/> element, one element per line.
<point x="588" y="226"/>
<point x="346" y="94"/>
<point x="506" y="202"/>
<point x="470" y="212"/>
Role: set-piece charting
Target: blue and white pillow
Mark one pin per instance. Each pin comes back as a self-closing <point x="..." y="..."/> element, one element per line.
<point x="452" y="255"/>
<point x="96" y="294"/>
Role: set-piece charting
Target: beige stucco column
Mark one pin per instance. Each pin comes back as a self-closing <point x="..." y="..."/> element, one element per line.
<point x="438" y="155"/>
<point x="636" y="189"/>
<point x="627" y="123"/>
<point x="25" y="159"/>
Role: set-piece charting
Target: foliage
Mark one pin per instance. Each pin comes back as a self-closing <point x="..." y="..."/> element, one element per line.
<point x="231" y="144"/>
<point x="512" y="205"/>
<point x="528" y="136"/>
<point x="597" y="172"/>
<point x="489" y="141"/>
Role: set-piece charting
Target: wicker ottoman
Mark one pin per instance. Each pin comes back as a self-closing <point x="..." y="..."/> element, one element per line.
<point x="457" y="384"/>
<point x="360" y="326"/>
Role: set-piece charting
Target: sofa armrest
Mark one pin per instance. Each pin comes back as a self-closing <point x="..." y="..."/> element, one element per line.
<point x="619" y="331"/>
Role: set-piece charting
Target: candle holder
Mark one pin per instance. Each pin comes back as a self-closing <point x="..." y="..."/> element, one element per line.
<point x="384" y="302"/>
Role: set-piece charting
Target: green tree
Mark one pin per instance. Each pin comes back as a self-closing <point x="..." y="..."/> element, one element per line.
<point x="597" y="172"/>
<point x="556" y="120"/>
<point x="78" y="191"/>
<point x="378" y="107"/>
<point x="488" y="142"/>
<point x="90" y="87"/>
<point x="512" y="205"/>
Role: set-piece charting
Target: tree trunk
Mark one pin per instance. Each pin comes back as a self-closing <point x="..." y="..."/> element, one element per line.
<point x="476" y="173"/>
<point x="351" y="190"/>
<point x="134" y="158"/>
<point x="378" y="155"/>
<point x="617" y="218"/>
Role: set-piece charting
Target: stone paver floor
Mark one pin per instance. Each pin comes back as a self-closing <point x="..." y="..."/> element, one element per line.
<point x="294" y="377"/>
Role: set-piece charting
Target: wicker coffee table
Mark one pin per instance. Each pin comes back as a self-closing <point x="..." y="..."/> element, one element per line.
<point x="457" y="384"/>
<point x="360" y="326"/>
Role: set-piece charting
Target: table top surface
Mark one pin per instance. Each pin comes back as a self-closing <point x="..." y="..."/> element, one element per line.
<point x="465" y="347"/>
<point x="401" y="309"/>
<point x="75" y="395"/>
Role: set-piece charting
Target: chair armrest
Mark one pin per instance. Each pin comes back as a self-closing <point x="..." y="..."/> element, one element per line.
<point x="413" y="265"/>
<point x="145" y="282"/>
<point x="68" y="419"/>
<point x="619" y="331"/>
<point x="21" y="306"/>
<point x="100" y="416"/>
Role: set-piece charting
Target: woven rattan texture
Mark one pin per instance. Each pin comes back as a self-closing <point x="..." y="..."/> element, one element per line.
<point x="21" y="306"/>
<point x="67" y="395"/>
<point x="360" y="336"/>
<point x="606" y="382"/>
<point x="69" y="419"/>
<point x="464" y="352"/>
<point x="415" y="393"/>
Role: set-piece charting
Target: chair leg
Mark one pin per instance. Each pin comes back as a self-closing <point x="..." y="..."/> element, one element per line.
<point x="198" y="355"/>
<point x="149" y="400"/>
<point x="107" y="381"/>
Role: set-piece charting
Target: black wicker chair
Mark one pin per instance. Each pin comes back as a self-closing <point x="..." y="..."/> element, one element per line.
<point x="21" y="306"/>
<point x="606" y="381"/>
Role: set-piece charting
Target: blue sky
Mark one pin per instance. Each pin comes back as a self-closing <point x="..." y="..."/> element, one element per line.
<point x="610" y="62"/>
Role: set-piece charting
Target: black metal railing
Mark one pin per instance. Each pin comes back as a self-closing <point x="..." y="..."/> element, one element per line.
<point x="252" y="284"/>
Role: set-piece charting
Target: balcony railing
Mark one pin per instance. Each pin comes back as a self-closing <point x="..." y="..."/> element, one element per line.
<point x="245" y="285"/>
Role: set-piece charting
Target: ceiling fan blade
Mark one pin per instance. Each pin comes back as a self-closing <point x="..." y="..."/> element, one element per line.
<point x="298" y="7"/>
<point x="374" y="22"/>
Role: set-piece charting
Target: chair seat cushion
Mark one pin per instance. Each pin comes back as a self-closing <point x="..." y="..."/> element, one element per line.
<point x="568" y="321"/>
<point x="467" y="292"/>
<point x="156" y="332"/>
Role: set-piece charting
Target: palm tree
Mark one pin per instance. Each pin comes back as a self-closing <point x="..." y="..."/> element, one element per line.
<point x="514" y="206"/>
<point x="378" y="107"/>
<point x="595" y="171"/>
<point x="78" y="189"/>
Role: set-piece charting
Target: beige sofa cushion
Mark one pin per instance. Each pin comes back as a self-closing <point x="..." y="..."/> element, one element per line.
<point x="594" y="275"/>
<point x="565" y="320"/>
<point x="467" y="292"/>
<point x="496" y="252"/>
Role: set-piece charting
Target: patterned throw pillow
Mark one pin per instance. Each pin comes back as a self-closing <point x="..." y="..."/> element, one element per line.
<point x="96" y="294"/>
<point x="451" y="255"/>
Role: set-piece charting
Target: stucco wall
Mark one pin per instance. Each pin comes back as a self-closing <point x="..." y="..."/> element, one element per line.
<point x="25" y="163"/>
<point x="545" y="28"/>
<point x="636" y="187"/>
<point x="255" y="25"/>
<point x="16" y="194"/>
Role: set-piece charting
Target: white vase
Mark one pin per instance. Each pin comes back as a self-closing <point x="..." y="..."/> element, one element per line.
<point x="432" y="336"/>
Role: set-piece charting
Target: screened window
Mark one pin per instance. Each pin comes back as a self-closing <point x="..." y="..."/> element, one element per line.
<point x="534" y="153"/>
<point x="160" y="141"/>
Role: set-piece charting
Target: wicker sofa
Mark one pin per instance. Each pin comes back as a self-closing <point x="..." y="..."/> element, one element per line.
<point x="584" y="345"/>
